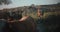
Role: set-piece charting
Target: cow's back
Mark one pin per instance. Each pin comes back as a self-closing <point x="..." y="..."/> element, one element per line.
<point x="27" y="25"/>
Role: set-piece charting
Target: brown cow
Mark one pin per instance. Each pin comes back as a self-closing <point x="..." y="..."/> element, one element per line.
<point x="25" y="24"/>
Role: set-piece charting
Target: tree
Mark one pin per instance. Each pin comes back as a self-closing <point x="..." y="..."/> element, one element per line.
<point x="5" y="2"/>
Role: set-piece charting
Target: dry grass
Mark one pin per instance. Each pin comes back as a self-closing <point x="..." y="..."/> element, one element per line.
<point x="50" y="13"/>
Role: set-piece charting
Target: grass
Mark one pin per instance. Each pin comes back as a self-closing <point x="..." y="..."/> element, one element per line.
<point x="50" y="13"/>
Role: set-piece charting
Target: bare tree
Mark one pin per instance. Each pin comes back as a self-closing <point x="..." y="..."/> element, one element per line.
<point x="5" y="2"/>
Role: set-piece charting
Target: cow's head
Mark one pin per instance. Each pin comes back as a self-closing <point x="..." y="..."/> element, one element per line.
<point x="15" y="14"/>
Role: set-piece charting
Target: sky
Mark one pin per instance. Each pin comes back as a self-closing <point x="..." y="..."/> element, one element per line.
<point x="18" y="3"/>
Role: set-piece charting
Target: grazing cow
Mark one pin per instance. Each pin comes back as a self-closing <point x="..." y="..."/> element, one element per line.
<point x="25" y="24"/>
<point x="17" y="23"/>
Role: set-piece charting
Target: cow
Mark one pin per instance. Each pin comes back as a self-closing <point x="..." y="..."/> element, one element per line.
<point x="21" y="24"/>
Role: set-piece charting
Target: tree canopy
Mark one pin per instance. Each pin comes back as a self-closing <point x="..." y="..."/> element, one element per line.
<point x="6" y="2"/>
